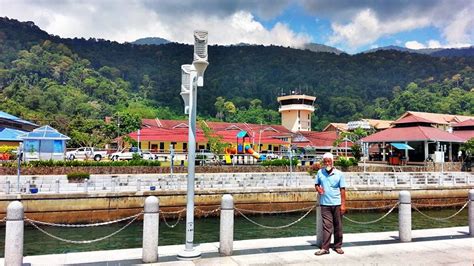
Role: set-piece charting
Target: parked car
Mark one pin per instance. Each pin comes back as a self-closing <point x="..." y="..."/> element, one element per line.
<point x="86" y="153"/>
<point x="270" y="156"/>
<point x="146" y="155"/>
<point x="125" y="154"/>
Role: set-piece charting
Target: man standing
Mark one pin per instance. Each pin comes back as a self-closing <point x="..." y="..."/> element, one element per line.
<point x="330" y="185"/>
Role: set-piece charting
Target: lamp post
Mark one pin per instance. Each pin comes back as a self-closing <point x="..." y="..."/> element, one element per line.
<point x="192" y="77"/>
<point x="345" y="142"/>
<point x="19" y="155"/>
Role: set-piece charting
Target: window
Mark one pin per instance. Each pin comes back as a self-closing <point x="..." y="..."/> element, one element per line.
<point x="31" y="146"/>
<point x="185" y="146"/>
<point x="162" y="146"/>
<point x="58" y="146"/>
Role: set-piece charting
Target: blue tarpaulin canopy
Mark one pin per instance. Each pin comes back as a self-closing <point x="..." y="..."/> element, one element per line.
<point x="401" y="146"/>
<point x="44" y="132"/>
<point x="8" y="134"/>
<point x="242" y="134"/>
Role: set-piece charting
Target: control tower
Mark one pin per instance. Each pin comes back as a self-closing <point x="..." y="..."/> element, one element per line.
<point x="296" y="110"/>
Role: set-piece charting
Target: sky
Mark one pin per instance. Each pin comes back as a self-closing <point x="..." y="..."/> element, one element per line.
<point x="350" y="25"/>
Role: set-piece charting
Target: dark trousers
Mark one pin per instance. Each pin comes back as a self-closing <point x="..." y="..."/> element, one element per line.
<point x="332" y="220"/>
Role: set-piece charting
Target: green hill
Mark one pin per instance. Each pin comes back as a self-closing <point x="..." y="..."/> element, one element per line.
<point x="48" y="79"/>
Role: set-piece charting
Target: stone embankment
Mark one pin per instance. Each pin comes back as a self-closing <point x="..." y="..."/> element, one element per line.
<point x="108" y="197"/>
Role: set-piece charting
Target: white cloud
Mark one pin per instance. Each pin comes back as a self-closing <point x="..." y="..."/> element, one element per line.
<point x="459" y="32"/>
<point x="362" y="22"/>
<point x="432" y="44"/>
<point x="366" y="28"/>
<point x="126" y="21"/>
<point x="414" y="45"/>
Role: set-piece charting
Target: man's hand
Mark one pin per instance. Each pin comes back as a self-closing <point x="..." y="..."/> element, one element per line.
<point x="343" y="209"/>
<point x="320" y="190"/>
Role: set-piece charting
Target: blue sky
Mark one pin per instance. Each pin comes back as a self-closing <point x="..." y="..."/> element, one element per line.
<point x="350" y="25"/>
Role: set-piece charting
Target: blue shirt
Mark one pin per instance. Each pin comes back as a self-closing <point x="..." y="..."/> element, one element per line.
<point x="331" y="183"/>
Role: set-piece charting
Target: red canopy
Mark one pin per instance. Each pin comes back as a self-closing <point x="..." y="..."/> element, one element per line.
<point x="416" y="133"/>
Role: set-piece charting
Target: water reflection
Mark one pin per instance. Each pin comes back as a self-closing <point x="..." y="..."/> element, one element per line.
<point x="207" y="230"/>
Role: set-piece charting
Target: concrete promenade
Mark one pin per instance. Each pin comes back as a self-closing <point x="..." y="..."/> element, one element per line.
<point x="446" y="246"/>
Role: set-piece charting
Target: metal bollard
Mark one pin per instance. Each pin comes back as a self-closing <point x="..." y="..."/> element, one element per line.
<point x="319" y="224"/>
<point x="151" y="223"/>
<point x="226" y="236"/>
<point x="56" y="189"/>
<point x="28" y="184"/>
<point x="7" y="187"/>
<point x="404" y="216"/>
<point x="139" y="184"/>
<point x="86" y="185"/>
<point x="14" y="234"/>
<point x="471" y="212"/>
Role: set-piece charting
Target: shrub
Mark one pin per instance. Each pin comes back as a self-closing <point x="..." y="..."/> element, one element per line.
<point x="51" y="163"/>
<point x="280" y="162"/>
<point x="77" y="176"/>
<point x="345" y="162"/>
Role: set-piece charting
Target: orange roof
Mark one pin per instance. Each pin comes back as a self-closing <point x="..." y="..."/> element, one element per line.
<point x="338" y="126"/>
<point x="379" y="124"/>
<point x="412" y="119"/>
<point x="437" y="118"/>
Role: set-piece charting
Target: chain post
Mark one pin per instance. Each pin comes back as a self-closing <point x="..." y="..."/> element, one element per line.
<point x="404" y="216"/>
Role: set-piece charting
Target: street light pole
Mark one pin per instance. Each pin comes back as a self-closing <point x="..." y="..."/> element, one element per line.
<point x="19" y="155"/>
<point x="192" y="77"/>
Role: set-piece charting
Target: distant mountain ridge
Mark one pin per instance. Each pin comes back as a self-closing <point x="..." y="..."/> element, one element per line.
<point x="449" y="52"/>
<point x="151" y="41"/>
<point x="316" y="47"/>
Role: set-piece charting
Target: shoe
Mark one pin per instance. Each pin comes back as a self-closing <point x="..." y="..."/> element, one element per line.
<point x="339" y="250"/>
<point x="321" y="252"/>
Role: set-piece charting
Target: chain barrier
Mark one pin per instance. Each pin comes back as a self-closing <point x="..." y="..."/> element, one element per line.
<point x="83" y="241"/>
<point x="442" y="205"/>
<point x="173" y="212"/>
<point x="374" y="221"/>
<point x="85" y="225"/>
<point x="440" y="219"/>
<point x="207" y="213"/>
<point x="276" y="227"/>
<point x="274" y="212"/>
<point x="175" y="224"/>
<point x="371" y="208"/>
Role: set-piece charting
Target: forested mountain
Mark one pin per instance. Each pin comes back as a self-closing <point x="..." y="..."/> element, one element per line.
<point x="316" y="47"/>
<point x="447" y="52"/>
<point x="73" y="83"/>
<point x="151" y="41"/>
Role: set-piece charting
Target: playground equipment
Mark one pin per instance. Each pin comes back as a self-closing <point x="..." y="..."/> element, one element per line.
<point x="243" y="147"/>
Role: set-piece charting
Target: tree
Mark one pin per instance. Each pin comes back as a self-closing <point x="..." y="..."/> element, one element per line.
<point x="468" y="147"/>
<point x="215" y="141"/>
<point x="354" y="136"/>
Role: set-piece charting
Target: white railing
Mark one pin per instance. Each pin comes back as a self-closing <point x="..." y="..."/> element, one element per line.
<point x="240" y="181"/>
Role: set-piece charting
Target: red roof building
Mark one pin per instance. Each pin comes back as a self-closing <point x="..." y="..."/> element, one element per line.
<point x="464" y="130"/>
<point x="157" y="135"/>
<point x="426" y="133"/>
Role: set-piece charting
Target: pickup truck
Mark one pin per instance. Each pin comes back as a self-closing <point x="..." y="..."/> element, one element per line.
<point x="86" y="153"/>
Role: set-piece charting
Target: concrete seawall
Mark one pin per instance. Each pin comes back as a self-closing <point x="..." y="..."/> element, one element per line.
<point x="93" y="207"/>
<point x="111" y="197"/>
